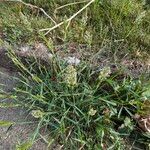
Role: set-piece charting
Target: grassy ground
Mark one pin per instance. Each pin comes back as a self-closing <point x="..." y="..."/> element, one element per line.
<point x="125" y="25"/>
<point x="83" y="108"/>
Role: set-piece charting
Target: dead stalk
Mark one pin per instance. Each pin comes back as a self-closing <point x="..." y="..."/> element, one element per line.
<point x="69" y="4"/>
<point x="34" y="6"/>
<point x="68" y="20"/>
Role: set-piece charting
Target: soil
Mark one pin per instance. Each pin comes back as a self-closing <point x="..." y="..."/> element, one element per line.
<point x="9" y="137"/>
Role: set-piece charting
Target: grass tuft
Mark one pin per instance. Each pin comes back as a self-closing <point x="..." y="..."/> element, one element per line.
<point x="81" y="108"/>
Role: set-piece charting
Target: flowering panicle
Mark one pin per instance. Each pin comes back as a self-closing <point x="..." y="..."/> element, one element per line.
<point x="37" y="113"/>
<point x="71" y="76"/>
<point x="104" y="73"/>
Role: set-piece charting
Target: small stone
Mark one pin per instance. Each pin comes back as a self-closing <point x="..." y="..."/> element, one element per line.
<point x="72" y="60"/>
<point x="25" y="48"/>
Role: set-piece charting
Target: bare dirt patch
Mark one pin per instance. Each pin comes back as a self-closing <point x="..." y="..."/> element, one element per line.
<point x="10" y="136"/>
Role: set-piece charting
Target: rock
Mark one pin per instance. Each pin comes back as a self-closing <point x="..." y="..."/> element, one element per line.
<point x="39" y="50"/>
<point x="72" y="60"/>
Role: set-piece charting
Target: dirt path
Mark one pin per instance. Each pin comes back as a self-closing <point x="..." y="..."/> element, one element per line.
<point x="18" y="133"/>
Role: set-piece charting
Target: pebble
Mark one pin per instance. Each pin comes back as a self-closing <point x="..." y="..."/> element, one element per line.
<point x="72" y="60"/>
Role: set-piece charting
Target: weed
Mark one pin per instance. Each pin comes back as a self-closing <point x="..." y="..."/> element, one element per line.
<point x="81" y="112"/>
<point x="83" y="109"/>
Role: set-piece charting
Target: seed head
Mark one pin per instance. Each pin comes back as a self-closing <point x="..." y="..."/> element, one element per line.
<point x="71" y="76"/>
<point x="104" y="73"/>
<point x="37" y="113"/>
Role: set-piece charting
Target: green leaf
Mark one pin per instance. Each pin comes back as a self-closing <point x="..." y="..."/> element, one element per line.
<point x="6" y="105"/>
<point x="5" y="123"/>
<point x="147" y="92"/>
<point x="24" y="146"/>
<point x="36" y="78"/>
<point x="127" y="121"/>
<point x="3" y="96"/>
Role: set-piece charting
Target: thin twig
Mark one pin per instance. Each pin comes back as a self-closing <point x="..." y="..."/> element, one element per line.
<point x="34" y="6"/>
<point x="82" y="147"/>
<point x="68" y="20"/>
<point x="69" y="4"/>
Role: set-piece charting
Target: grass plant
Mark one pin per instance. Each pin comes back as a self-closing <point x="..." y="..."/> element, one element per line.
<point x="82" y="109"/>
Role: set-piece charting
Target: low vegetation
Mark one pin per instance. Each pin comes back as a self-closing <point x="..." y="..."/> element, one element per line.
<point x="123" y="24"/>
<point x="83" y="107"/>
